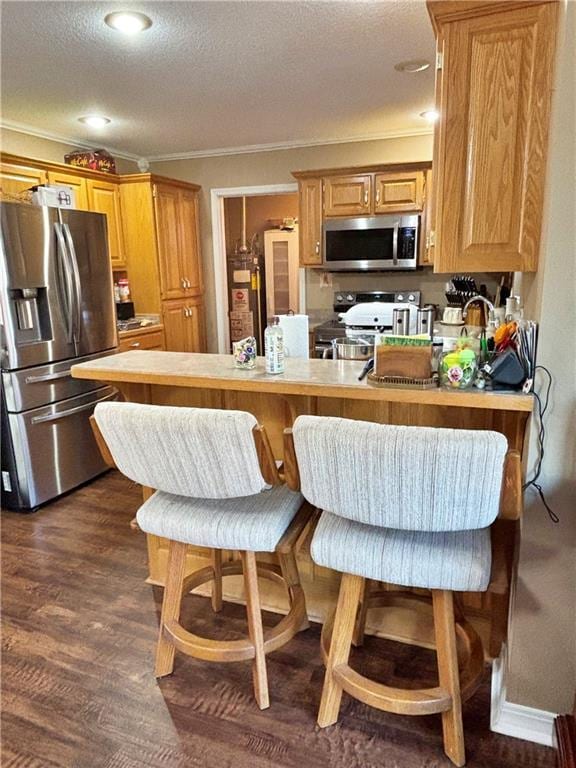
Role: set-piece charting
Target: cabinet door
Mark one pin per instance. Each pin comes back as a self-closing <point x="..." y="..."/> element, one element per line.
<point x="167" y="210"/>
<point x="496" y="91"/>
<point x="348" y="195"/>
<point x="77" y="183"/>
<point x="310" y="222"/>
<point x="394" y="192"/>
<point x="15" y="180"/>
<point x="184" y="325"/>
<point x="104" y="197"/>
<point x="189" y="241"/>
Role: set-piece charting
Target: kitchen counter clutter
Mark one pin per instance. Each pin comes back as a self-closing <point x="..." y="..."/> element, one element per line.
<point x="323" y="379"/>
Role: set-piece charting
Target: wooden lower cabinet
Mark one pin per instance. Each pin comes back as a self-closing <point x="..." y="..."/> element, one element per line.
<point x="184" y="325"/>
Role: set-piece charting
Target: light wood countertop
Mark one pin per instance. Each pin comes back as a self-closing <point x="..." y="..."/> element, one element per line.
<point x="314" y="378"/>
<point x="140" y="330"/>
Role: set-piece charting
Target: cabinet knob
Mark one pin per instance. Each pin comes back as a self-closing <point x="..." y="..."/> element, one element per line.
<point x="377" y="197"/>
<point x="188" y="283"/>
<point x="317" y="248"/>
<point x="366" y="197"/>
<point x="135" y="344"/>
<point x="183" y="282"/>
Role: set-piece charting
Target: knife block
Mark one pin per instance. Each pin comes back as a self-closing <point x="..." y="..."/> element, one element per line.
<point x="409" y="362"/>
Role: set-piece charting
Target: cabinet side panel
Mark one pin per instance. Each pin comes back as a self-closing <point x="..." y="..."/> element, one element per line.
<point x="140" y="244"/>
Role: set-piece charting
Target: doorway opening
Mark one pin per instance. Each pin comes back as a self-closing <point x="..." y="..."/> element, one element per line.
<point x="255" y="236"/>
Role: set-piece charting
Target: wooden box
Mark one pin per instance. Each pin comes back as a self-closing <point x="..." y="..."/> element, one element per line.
<point x="413" y="362"/>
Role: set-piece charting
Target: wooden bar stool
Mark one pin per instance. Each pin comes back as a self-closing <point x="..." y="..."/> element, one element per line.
<point x="408" y="506"/>
<point x="217" y="487"/>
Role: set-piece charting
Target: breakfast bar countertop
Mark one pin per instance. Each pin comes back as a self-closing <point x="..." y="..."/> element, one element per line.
<point x="313" y="377"/>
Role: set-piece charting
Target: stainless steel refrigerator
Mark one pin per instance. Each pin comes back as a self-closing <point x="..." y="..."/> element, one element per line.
<point x="57" y="309"/>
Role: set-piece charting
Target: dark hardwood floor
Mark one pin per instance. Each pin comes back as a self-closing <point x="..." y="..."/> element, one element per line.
<point x="77" y="658"/>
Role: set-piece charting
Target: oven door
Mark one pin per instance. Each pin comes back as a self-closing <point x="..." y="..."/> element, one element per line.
<point x="371" y="243"/>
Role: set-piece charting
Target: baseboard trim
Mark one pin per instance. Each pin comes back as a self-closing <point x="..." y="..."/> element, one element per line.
<point x="516" y="720"/>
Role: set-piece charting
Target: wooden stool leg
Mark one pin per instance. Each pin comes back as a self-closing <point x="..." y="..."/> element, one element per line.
<point x="360" y="627"/>
<point x="291" y="576"/>
<point x="217" y="583"/>
<point x="445" y="631"/>
<point x="255" y="629"/>
<point x="348" y="598"/>
<point x="170" y="606"/>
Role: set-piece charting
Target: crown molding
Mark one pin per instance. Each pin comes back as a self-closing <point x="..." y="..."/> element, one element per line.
<point x="217" y="152"/>
<point x="30" y="130"/>
<point x="286" y="145"/>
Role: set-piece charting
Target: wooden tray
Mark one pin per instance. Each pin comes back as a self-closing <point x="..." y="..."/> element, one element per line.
<point x="402" y="382"/>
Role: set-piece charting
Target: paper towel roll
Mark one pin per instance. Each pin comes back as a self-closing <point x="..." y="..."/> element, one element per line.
<point x="295" y="329"/>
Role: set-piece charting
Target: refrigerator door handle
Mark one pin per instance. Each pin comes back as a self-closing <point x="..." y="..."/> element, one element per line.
<point x="72" y="411"/>
<point x="76" y="275"/>
<point x="66" y="277"/>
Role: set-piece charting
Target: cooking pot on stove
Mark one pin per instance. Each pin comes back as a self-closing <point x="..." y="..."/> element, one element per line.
<point x="350" y="349"/>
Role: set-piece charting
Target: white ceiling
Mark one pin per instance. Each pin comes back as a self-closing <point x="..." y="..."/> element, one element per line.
<point x="212" y="75"/>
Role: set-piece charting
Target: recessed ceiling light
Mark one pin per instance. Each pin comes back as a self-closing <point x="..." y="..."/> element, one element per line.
<point x="95" y="121"/>
<point x="412" y="66"/>
<point x="431" y="115"/>
<point x="128" y="22"/>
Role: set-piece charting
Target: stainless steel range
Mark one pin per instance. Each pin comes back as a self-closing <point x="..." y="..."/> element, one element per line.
<point x="340" y="327"/>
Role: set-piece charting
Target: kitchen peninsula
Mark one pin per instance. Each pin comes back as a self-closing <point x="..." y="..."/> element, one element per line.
<point x="325" y="388"/>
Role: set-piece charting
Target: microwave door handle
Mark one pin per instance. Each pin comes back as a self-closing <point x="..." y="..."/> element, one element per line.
<point x="395" y="243"/>
<point x="65" y="275"/>
<point x="76" y="274"/>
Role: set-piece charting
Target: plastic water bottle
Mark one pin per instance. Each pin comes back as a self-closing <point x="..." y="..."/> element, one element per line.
<point x="274" y="346"/>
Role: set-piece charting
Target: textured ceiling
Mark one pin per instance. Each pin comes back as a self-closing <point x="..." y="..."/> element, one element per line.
<point x="213" y="75"/>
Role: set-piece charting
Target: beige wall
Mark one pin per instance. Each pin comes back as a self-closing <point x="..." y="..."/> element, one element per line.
<point x="275" y="168"/>
<point x="542" y="653"/>
<point x="17" y="143"/>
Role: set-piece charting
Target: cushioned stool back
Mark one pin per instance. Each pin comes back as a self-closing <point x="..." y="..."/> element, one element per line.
<point x="198" y="452"/>
<point x="411" y="478"/>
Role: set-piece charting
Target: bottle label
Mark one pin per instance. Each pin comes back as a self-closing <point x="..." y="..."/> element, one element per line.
<point x="274" y="353"/>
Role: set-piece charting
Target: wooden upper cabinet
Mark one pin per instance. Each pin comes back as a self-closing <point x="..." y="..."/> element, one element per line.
<point x="348" y="195"/>
<point x="492" y="135"/>
<point x="77" y="183"/>
<point x="189" y="241"/>
<point x="16" y="179"/>
<point x="426" y="248"/>
<point x="104" y="197"/>
<point x="168" y="240"/>
<point x="394" y="192"/>
<point x="310" y="222"/>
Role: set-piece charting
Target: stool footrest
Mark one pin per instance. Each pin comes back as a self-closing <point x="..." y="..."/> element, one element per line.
<point x="238" y="650"/>
<point x="424" y="701"/>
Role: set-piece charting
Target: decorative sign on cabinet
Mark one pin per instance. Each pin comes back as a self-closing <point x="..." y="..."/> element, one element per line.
<point x="493" y="92"/>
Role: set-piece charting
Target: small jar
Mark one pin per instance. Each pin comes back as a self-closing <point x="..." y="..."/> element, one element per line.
<point x="124" y="289"/>
<point x="458" y="365"/>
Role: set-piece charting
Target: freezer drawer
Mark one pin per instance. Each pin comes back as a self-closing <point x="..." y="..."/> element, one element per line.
<point x="44" y="384"/>
<point x="52" y="450"/>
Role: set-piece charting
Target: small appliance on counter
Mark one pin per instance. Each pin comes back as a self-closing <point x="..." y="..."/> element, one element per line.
<point x="124" y="310"/>
<point x="362" y="315"/>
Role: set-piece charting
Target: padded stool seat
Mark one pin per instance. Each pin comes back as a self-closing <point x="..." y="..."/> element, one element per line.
<point x="455" y="560"/>
<point x="254" y="523"/>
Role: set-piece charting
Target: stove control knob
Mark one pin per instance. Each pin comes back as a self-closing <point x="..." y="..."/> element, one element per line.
<point x="411" y="297"/>
<point x="339" y="298"/>
<point x="349" y="297"/>
<point x="400" y="297"/>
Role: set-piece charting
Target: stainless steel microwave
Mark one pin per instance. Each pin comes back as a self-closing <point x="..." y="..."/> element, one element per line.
<point x="371" y="243"/>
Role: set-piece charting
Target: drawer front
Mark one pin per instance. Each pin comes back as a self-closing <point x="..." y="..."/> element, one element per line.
<point x="154" y="340"/>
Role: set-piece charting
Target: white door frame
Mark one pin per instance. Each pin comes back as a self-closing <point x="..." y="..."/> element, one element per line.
<point x="219" y="248"/>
